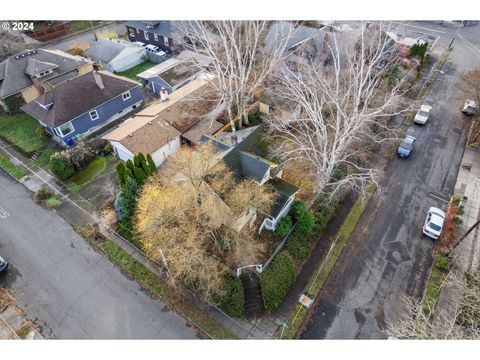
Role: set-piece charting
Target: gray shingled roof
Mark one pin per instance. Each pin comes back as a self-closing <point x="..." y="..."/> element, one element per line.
<point x="163" y="28"/>
<point x="69" y="100"/>
<point x="16" y="79"/>
<point x="253" y="166"/>
<point x="284" y="191"/>
<point x="35" y="67"/>
<point x="104" y="50"/>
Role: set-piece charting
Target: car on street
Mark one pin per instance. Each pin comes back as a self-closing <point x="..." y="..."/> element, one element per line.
<point x="470" y="107"/>
<point x="3" y="265"/>
<point x="422" y="115"/>
<point x="433" y="225"/>
<point x="406" y="147"/>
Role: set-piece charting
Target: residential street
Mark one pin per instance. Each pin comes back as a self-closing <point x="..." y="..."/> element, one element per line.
<point x="387" y="255"/>
<point x="66" y="287"/>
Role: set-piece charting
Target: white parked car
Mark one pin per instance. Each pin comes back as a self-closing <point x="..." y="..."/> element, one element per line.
<point x="155" y="50"/>
<point x="433" y="225"/>
<point x="140" y="43"/>
<point x="470" y="107"/>
<point x="422" y="115"/>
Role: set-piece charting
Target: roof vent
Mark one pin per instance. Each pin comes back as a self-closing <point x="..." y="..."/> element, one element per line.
<point x="130" y="135"/>
<point x="17" y="57"/>
<point x="150" y="123"/>
<point x="34" y="51"/>
<point x="29" y="53"/>
<point x="23" y="55"/>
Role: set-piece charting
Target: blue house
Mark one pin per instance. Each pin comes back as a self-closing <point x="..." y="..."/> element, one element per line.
<point x="84" y="104"/>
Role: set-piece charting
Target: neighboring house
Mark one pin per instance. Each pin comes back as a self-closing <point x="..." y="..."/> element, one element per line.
<point x="158" y="33"/>
<point x="303" y="44"/>
<point x="164" y="126"/>
<point x="116" y="55"/>
<point x="84" y="104"/>
<point x="29" y="74"/>
<point x="173" y="73"/>
<point x="242" y="151"/>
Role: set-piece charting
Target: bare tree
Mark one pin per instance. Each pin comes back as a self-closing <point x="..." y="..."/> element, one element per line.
<point x="237" y="56"/>
<point x="337" y="112"/>
<point x="471" y="84"/>
<point x="455" y="320"/>
<point x="10" y="44"/>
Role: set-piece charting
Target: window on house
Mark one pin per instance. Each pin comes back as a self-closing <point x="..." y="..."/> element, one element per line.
<point x="165" y="41"/>
<point x="155" y="36"/>
<point x="145" y="34"/>
<point x="131" y="32"/>
<point x="126" y="95"/>
<point x="93" y="114"/>
<point x="138" y="31"/>
<point x="64" y="130"/>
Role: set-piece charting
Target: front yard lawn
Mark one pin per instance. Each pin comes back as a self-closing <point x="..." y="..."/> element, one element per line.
<point x="22" y="131"/>
<point x="14" y="170"/>
<point x="133" y="72"/>
<point x="44" y="159"/>
<point x="81" y="179"/>
<point x="82" y="25"/>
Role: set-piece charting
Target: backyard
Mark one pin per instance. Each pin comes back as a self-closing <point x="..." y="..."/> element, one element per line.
<point x="84" y="177"/>
<point x="23" y="132"/>
<point x="133" y="72"/>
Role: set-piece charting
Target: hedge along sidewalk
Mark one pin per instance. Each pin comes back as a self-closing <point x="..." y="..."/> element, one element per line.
<point x="14" y="170"/>
<point x="317" y="281"/>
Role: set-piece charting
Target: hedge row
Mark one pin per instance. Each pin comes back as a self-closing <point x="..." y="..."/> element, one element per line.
<point x="277" y="279"/>
<point x="232" y="301"/>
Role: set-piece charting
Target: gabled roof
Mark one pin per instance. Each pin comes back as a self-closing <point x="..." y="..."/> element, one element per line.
<point x="106" y="50"/>
<point x="244" y="158"/>
<point x="76" y="97"/>
<point x="35" y="67"/>
<point x="145" y="135"/>
<point x="204" y="126"/>
<point x="285" y="191"/>
<point x="163" y="28"/>
<point x="16" y="75"/>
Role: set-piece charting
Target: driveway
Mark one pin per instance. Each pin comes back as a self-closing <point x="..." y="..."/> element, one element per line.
<point x="387" y="255"/>
<point x="67" y="288"/>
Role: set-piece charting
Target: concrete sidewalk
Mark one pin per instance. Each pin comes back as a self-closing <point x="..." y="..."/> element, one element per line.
<point x="467" y="254"/>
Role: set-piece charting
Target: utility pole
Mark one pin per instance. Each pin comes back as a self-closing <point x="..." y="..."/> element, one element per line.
<point x="455" y="35"/>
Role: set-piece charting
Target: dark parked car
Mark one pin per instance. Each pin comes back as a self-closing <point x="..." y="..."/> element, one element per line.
<point x="3" y="265"/>
<point x="406" y="147"/>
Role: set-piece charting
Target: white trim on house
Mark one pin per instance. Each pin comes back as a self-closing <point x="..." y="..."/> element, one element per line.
<point x="58" y="130"/>
<point x="126" y="95"/>
<point x="95" y="116"/>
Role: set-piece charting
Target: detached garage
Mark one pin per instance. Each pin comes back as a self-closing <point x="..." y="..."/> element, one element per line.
<point x="144" y="135"/>
<point x="116" y="55"/>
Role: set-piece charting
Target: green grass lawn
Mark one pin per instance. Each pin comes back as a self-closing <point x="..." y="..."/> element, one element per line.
<point x="81" y="179"/>
<point x="133" y="72"/>
<point x="14" y="170"/>
<point x="22" y="131"/>
<point x="44" y="159"/>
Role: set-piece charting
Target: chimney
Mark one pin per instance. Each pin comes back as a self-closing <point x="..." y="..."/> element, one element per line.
<point x="163" y="94"/>
<point x="98" y="80"/>
<point x="38" y="86"/>
<point x="234" y="139"/>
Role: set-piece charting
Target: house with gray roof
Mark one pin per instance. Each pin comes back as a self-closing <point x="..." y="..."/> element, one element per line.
<point x="84" y="104"/>
<point x="242" y="152"/>
<point x="153" y="32"/>
<point x="31" y="73"/>
<point x="304" y="44"/>
<point x="116" y="55"/>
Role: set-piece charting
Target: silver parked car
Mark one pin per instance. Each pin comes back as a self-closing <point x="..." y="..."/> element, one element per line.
<point x="422" y="115"/>
<point x="470" y="107"/>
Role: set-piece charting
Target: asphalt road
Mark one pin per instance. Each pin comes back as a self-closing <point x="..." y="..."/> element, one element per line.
<point x="387" y="255"/>
<point x="67" y="288"/>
